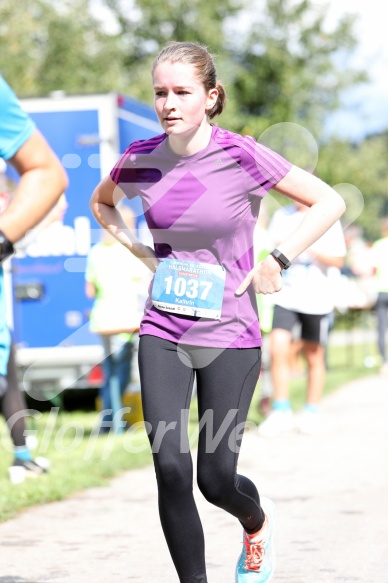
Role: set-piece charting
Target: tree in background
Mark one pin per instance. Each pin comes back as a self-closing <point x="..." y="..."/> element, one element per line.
<point x="147" y="27"/>
<point x="278" y="62"/>
<point x="53" y="46"/>
<point x="291" y="68"/>
<point x="277" y="59"/>
<point x="364" y="165"/>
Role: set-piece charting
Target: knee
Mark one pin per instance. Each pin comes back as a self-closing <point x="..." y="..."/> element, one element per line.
<point x="172" y="474"/>
<point x="280" y="345"/>
<point x="214" y="486"/>
<point x="314" y="353"/>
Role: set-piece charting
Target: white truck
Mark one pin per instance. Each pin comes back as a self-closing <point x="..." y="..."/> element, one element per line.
<point x="45" y="282"/>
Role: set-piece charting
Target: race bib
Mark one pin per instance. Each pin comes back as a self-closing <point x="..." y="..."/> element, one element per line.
<point x="189" y="288"/>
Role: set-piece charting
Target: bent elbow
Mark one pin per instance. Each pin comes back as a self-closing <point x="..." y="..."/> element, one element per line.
<point x="342" y="207"/>
<point x="56" y="172"/>
<point x="338" y="205"/>
<point x="94" y="200"/>
<point x="338" y="262"/>
<point x="65" y="180"/>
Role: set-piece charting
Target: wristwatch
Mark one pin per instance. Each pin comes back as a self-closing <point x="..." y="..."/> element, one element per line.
<point x="281" y="259"/>
<point x="6" y="247"/>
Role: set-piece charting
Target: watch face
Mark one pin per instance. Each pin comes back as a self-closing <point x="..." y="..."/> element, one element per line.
<point x="282" y="259"/>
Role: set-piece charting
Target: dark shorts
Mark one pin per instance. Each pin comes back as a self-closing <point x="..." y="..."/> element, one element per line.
<point x="313" y="327"/>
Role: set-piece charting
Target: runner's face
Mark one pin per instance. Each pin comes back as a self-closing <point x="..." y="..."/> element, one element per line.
<point x="181" y="101"/>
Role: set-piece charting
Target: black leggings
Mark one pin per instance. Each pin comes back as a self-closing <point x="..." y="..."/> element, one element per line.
<point x="13" y="402"/>
<point x="226" y="380"/>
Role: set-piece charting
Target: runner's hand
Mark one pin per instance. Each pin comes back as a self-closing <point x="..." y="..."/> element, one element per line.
<point x="265" y="277"/>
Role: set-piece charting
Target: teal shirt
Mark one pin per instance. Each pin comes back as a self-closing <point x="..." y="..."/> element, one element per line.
<point x="16" y="127"/>
<point x="15" y="124"/>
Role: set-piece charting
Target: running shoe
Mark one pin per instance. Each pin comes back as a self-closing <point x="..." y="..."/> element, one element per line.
<point x="257" y="560"/>
<point x="276" y="423"/>
<point x="309" y="422"/>
<point x="33" y="468"/>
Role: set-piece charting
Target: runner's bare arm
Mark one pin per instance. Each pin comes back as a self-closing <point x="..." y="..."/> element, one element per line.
<point x="42" y="181"/>
<point x="326" y="207"/>
<point x="103" y="203"/>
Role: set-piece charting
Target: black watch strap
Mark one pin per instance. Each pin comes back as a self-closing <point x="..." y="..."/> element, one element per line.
<point x="6" y="247"/>
<point x="281" y="259"/>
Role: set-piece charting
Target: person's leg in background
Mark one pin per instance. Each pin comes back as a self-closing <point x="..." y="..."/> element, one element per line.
<point x="316" y="371"/>
<point x="316" y="374"/>
<point x="122" y="362"/>
<point x="266" y="390"/>
<point x="315" y="331"/>
<point x="13" y="405"/>
<point x="104" y="393"/>
<point x="280" y="350"/>
<point x="281" y="417"/>
<point x="314" y="334"/>
<point x="118" y="351"/>
<point x="265" y="306"/>
<point x="296" y="364"/>
<point x="331" y="322"/>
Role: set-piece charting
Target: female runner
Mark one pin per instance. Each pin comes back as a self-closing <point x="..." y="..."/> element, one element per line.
<point x="201" y="188"/>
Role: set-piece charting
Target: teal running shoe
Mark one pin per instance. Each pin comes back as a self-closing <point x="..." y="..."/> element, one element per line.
<point x="257" y="560"/>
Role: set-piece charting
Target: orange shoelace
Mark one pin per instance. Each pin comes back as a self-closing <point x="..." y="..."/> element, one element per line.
<point x="254" y="554"/>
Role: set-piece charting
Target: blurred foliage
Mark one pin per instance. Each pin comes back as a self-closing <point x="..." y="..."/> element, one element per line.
<point x="56" y="46"/>
<point x="290" y="68"/>
<point x="364" y="165"/>
<point x="146" y="28"/>
<point x="279" y="61"/>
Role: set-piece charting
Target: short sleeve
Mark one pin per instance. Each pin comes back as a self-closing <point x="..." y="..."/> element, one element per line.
<point x="263" y="167"/>
<point x="16" y="126"/>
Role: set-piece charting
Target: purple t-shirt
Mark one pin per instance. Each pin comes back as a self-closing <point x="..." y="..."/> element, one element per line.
<point x="203" y="208"/>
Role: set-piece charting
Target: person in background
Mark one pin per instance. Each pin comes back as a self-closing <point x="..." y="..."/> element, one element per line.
<point x="42" y="181"/>
<point x="379" y="261"/>
<point x="357" y="260"/>
<point x="306" y="302"/>
<point x="117" y="282"/>
<point x="201" y="187"/>
<point x="262" y="248"/>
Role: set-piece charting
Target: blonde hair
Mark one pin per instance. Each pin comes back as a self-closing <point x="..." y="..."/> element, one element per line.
<point x="197" y="55"/>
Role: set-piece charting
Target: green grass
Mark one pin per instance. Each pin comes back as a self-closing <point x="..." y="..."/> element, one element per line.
<point x="80" y="460"/>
